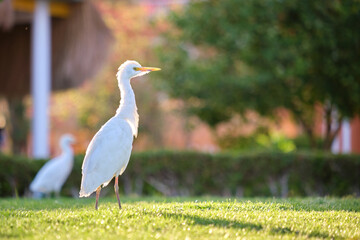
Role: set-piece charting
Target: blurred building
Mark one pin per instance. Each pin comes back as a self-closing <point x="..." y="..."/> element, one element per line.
<point x="348" y="138"/>
<point x="49" y="45"/>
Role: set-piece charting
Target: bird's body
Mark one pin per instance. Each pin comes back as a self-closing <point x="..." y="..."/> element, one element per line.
<point x="54" y="173"/>
<point x="113" y="144"/>
<point x="109" y="151"/>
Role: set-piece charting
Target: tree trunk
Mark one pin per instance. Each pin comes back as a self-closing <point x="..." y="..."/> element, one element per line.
<point x="307" y="124"/>
<point x="309" y="132"/>
<point x="329" y="139"/>
<point x="330" y="132"/>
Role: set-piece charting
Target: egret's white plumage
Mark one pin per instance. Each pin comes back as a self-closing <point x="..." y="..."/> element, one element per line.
<point x="109" y="151"/>
<point x="54" y="173"/>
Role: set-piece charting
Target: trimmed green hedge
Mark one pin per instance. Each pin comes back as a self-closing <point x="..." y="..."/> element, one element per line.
<point x="192" y="173"/>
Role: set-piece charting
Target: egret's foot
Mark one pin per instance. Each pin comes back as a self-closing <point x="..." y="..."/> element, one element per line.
<point x="97" y="197"/>
<point x="116" y="188"/>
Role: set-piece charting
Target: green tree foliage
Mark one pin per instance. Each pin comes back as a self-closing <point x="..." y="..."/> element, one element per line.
<point x="227" y="57"/>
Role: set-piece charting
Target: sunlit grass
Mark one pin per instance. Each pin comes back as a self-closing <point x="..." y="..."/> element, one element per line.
<point x="181" y="218"/>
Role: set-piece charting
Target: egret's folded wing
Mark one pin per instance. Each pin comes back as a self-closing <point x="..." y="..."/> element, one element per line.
<point x="107" y="154"/>
<point x="47" y="175"/>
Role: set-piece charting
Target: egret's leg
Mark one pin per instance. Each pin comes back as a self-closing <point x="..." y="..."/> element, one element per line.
<point x="97" y="197"/>
<point x="116" y="187"/>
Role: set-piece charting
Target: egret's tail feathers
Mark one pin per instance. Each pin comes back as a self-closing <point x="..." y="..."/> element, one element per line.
<point x="32" y="187"/>
<point x="82" y="193"/>
<point x="87" y="187"/>
<point x="91" y="182"/>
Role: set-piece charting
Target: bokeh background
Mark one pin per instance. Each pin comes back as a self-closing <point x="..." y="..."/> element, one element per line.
<point x="254" y="97"/>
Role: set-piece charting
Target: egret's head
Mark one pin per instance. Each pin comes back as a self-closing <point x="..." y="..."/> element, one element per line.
<point x="133" y="69"/>
<point x="67" y="139"/>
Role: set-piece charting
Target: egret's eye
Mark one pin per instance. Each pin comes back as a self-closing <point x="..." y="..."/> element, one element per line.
<point x="136" y="68"/>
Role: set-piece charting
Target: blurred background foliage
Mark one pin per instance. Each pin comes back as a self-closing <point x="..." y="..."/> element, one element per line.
<point x="221" y="62"/>
<point x="224" y="59"/>
<point x="233" y="68"/>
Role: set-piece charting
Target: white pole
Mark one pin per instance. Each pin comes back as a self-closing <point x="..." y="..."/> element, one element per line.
<point x="346" y="136"/>
<point x="335" y="147"/>
<point x="41" y="78"/>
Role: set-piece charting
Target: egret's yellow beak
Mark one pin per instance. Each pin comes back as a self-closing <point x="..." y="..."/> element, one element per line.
<point x="147" y="69"/>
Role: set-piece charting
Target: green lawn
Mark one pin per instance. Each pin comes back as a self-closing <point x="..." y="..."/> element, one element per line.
<point x="181" y="218"/>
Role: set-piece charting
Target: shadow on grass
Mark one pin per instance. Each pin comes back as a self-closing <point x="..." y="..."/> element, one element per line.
<point x="219" y="222"/>
<point x="286" y="230"/>
<point x="9" y="235"/>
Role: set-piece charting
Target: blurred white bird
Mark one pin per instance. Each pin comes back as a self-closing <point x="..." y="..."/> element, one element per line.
<point x="54" y="173"/>
<point x="109" y="151"/>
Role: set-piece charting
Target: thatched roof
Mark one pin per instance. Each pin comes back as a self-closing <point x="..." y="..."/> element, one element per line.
<point x="80" y="44"/>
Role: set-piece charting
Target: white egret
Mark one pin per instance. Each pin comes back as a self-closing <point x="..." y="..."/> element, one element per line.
<point x="54" y="173"/>
<point x="109" y="151"/>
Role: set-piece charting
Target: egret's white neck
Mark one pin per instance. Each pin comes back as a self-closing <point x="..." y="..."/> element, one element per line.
<point x="127" y="109"/>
